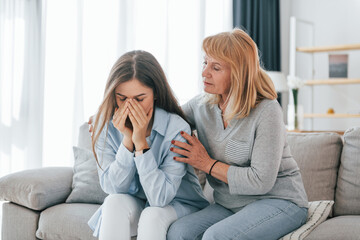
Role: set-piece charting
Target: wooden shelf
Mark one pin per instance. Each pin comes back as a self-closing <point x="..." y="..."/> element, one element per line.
<point x="307" y="131"/>
<point x="332" y="81"/>
<point x="329" y="48"/>
<point x="332" y="115"/>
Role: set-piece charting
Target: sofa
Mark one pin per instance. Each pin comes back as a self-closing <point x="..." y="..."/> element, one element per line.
<point x="56" y="202"/>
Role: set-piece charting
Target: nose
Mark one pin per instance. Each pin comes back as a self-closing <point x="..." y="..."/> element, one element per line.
<point x="205" y="71"/>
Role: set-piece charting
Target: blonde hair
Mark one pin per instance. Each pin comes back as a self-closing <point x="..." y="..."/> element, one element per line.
<point x="144" y="67"/>
<point x="249" y="82"/>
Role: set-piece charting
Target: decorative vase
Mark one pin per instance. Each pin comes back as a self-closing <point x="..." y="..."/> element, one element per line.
<point x="296" y="115"/>
<point x="295" y="118"/>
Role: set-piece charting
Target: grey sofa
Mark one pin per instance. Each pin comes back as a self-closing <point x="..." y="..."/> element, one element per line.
<point x="329" y="163"/>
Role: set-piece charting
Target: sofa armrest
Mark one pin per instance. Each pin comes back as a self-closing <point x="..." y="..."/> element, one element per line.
<point x="37" y="189"/>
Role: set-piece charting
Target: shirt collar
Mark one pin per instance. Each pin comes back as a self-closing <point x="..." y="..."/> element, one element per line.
<point x="160" y="121"/>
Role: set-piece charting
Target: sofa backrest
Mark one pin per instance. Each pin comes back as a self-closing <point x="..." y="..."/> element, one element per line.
<point x="318" y="157"/>
<point x="347" y="198"/>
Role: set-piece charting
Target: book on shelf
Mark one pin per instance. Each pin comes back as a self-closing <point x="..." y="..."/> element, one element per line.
<point x="338" y="65"/>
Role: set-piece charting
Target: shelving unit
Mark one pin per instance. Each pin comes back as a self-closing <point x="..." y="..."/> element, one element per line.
<point x="329" y="48"/>
<point x="330" y="115"/>
<point x="332" y="81"/>
<point x="312" y="82"/>
<point x="304" y="131"/>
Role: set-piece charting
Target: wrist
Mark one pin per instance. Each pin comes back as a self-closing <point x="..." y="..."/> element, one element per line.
<point x="141" y="152"/>
<point x="128" y="144"/>
<point x="211" y="166"/>
<point x="141" y="146"/>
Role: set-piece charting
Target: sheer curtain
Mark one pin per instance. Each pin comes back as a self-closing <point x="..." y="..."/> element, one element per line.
<point x="82" y="48"/>
<point x="83" y="39"/>
<point x="21" y="85"/>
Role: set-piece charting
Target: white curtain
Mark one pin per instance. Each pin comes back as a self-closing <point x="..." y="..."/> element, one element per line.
<point x="21" y="85"/>
<point x="82" y="47"/>
<point x="83" y="40"/>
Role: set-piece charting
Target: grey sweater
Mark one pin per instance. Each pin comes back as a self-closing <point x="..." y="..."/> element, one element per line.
<point x="255" y="147"/>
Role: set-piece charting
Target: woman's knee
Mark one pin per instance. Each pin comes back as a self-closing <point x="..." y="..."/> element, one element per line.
<point x="210" y="234"/>
<point x="173" y="232"/>
<point x="155" y="221"/>
<point x="151" y="214"/>
<point x="181" y="230"/>
<point x="178" y="233"/>
<point x="156" y="215"/>
<point x="215" y="232"/>
<point x="115" y="202"/>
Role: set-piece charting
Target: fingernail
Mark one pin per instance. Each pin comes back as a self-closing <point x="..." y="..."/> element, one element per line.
<point x="171" y="149"/>
<point x="172" y="142"/>
<point x="174" y="158"/>
<point x="182" y="132"/>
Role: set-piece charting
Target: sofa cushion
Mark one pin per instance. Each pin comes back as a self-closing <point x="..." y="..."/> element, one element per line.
<point x="343" y="227"/>
<point x="85" y="186"/>
<point x="66" y="221"/>
<point x="17" y="217"/>
<point x="348" y="183"/>
<point x="317" y="213"/>
<point x="37" y="189"/>
<point x="318" y="157"/>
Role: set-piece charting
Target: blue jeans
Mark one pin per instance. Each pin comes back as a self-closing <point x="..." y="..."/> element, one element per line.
<point x="262" y="219"/>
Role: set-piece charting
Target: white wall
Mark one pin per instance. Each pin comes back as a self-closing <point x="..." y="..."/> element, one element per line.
<point x="336" y="22"/>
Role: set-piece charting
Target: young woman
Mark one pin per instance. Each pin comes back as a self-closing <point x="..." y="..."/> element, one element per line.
<point x="133" y="130"/>
<point x="258" y="190"/>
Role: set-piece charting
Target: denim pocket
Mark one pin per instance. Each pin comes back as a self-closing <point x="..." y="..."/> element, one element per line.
<point x="237" y="152"/>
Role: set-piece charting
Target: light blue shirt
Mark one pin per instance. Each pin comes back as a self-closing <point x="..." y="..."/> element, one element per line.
<point x="153" y="176"/>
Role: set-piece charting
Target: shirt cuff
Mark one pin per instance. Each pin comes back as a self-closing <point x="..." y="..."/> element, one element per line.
<point x="145" y="163"/>
<point x="124" y="156"/>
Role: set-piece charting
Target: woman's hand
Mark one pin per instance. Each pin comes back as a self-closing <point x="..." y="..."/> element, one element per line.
<point x="90" y="123"/>
<point x="140" y="121"/>
<point x="194" y="153"/>
<point x="119" y="119"/>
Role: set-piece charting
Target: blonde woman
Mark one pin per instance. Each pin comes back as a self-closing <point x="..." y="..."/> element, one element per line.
<point x="133" y="130"/>
<point x="258" y="190"/>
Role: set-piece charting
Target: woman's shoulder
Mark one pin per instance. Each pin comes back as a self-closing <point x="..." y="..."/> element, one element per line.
<point x="200" y="104"/>
<point x="177" y="122"/>
<point x="268" y="105"/>
<point x="267" y="109"/>
<point x="167" y="122"/>
<point x="198" y="100"/>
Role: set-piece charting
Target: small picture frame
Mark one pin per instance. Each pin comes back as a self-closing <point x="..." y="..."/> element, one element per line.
<point x="338" y="65"/>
